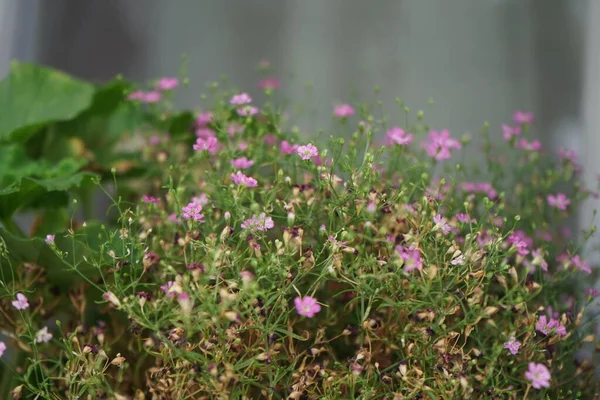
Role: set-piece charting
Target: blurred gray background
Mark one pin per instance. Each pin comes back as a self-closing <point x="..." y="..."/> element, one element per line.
<point x="478" y="59"/>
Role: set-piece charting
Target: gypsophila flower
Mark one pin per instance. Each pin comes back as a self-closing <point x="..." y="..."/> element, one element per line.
<point x="165" y="84"/>
<point x="538" y="375"/>
<point x="538" y="260"/>
<point x="43" y="336"/>
<point x="460" y="260"/>
<point x="247" y="111"/>
<point x="440" y="143"/>
<point x="411" y="257"/>
<point x="546" y="326"/>
<point x="307" y="306"/>
<point x="396" y="135"/>
<point x="269" y="83"/>
<point x="240" y="99"/>
<point x="512" y="345"/>
<point x="49" y="239"/>
<point x="240" y="179"/>
<point x="210" y="144"/>
<point x="151" y="97"/>
<point x="2" y="348"/>
<point x="21" y="302"/>
<point x="592" y="292"/>
<point x="343" y="111"/>
<point x="167" y="289"/>
<point x="242" y="163"/>
<point x="204" y="118"/>
<point x="558" y="200"/>
<point x="509" y="131"/>
<point x="441" y="224"/>
<point x="205" y="133"/>
<point x="193" y="211"/>
<point x="258" y="223"/>
<point x="308" y="151"/>
<point x="287" y="148"/>
<point x="524" y="144"/>
<point x="150" y="199"/>
<point x="522" y="117"/>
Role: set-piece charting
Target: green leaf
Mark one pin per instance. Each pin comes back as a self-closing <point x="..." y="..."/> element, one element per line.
<point x="33" y="96"/>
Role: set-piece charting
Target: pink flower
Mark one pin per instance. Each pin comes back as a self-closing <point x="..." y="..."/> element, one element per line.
<point x="202" y="199"/>
<point x="512" y="345"/>
<point x="270" y="83"/>
<point x="112" y="298"/>
<point x="308" y="151"/>
<point x="240" y="99"/>
<point x="398" y="136"/>
<point x="21" y="302"/>
<point x="258" y="223"/>
<point x="210" y="145"/>
<point x="509" y="131"/>
<point x="193" y="211"/>
<point x="204" y="118"/>
<point x="464" y="218"/>
<point x="154" y="140"/>
<point x="2" y="348"/>
<point x="539" y="375"/>
<point x="240" y="179"/>
<point x="580" y="264"/>
<point x="137" y="95"/>
<point x="49" y="239"/>
<point x="247" y="111"/>
<point x="242" y="163"/>
<point x="517" y="241"/>
<point x="559" y="201"/>
<point x="234" y="128"/>
<point x="538" y="260"/>
<point x="534" y="145"/>
<point x="441" y="224"/>
<point x="43" y="336"/>
<point x="150" y="199"/>
<point x="167" y="289"/>
<point x="205" y="133"/>
<point x="271" y="140"/>
<point x="286" y="148"/>
<point x="440" y="143"/>
<point x="343" y="111"/>
<point x="242" y="146"/>
<point x="151" y="97"/>
<point x="544" y="326"/>
<point x="411" y="257"/>
<point x="592" y="292"/>
<point x="307" y="306"/>
<point x="567" y="154"/>
<point x="165" y="84"/>
<point x="522" y="117"/>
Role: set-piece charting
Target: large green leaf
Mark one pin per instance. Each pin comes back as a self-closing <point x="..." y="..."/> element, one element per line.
<point x="32" y="96"/>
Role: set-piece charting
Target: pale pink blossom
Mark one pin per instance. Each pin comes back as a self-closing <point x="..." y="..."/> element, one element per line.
<point x="512" y="346"/>
<point x="240" y="179"/>
<point x="259" y="222"/>
<point x="240" y="99"/>
<point x="21" y="302"/>
<point x="307" y="306"/>
<point x="522" y="117"/>
<point x="211" y="145"/>
<point x="270" y="83"/>
<point x="286" y="148"/>
<point x="165" y="84"/>
<point x="308" y="151"/>
<point x="247" y="111"/>
<point x="242" y="163"/>
<point x="397" y="135"/>
<point x="440" y="143"/>
<point x="558" y="200"/>
<point x="538" y="375"/>
<point x="343" y="111"/>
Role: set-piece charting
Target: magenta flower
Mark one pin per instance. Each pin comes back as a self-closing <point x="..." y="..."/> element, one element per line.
<point x="21" y="302"/>
<point x="343" y="111"/>
<point x="270" y="83"/>
<point x="580" y="264"/>
<point x="240" y="99"/>
<point x="2" y="348"/>
<point x="440" y="144"/>
<point x="234" y="128"/>
<point x="43" y="336"/>
<point x="193" y="211"/>
<point x="205" y="133"/>
<point x="559" y="201"/>
<point x="539" y="375"/>
<point x="242" y="145"/>
<point x="49" y="239"/>
<point x="151" y="97"/>
<point x="534" y="145"/>
<point x="441" y="224"/>
<point x="242" y="163"/>
<point x="150" y="199"/>
<point x="522" y="117"/>
<point x="307" y="306"/>
<point x="509" y="131"/>
<point x="398" y="136"/>
<point x="258" y="223"/>
<point x="308" y="151"/>
<point x="286" y="148"/>
<point x="210" y="145"/>
<point x="411" y="257"/>
<point x="544" y="326"/>
<point x="165" y="84"/>
<point x="247" y="111"/>
<point x="240" y="179"/>
<point x="512" y="345"/>
<point x="204" y="118"/>
<point x="271" y="140"/>
<point x="167" y="289"/>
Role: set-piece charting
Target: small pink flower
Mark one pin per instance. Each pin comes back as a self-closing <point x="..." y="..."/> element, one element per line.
<point x="193" y="211"/>
<point x="150" y="199"/>
<point x="21" y="302"/>
<point x="211" y="145"/>
<point x="270" y="83"/>
<point x="49" y="239"/>
<point x="411" y="257"/>
<point x="539" y="376"/>
<point x="137" y="95"/>
<point x="559" y="201"/>
<point x="308" y="151"/>
<point x="165" y="84"/>
<point x="398" y="136"/>
<point x="544" y="326"/>
<point x="439" y="145"/>
<point x="151" y="97"/>
<point x="2" y="348"/>
<point x="307" y="306"/>
<point x="258" y="223"/>
<point x="517" y="241"/>
<point x="441" y="224"/>
<point x="581" y="265"/>
<point x="173" y="218"/>
<point x="242" y="163"/>
<point x="271" y="140"/>
<point x="534" y="145"/>
<point x="240" y="179"/>
<point x="567" y="154"/>
<point x="247" y="111"/>
<point x="43" y="336"/>
<point x="343" y="111"/>
<point x="205" y="133"/>
<point x="592" y="292"/>
<point x="204" y="118"/>
<point x="234" y="128"/>
<point x="522" y="117"/>
<point x="167" y="289"/>
<point x="242" y="145"/>
<point x="286" y="148"/>
<point x="464" y="218"/>
<point x="240" y="99"/>
<point x="512" y="345"/>
<point x="509" y="131"/>
<point x="154" y="140"/>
